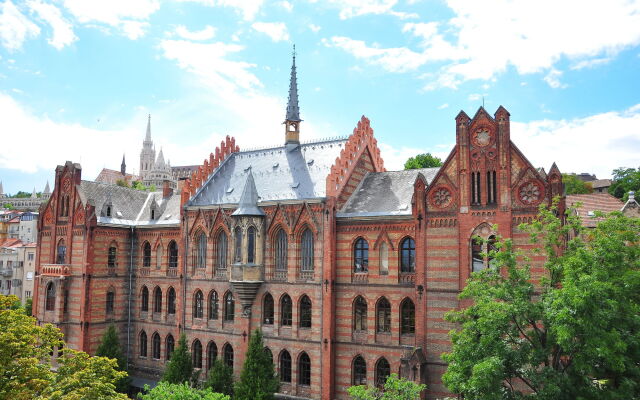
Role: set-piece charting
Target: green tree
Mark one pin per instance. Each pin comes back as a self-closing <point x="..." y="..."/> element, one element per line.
<point x="137" y="185"/>
<point x="220" y="378"/>
<point x="394" y="389"/>
<point x="122" y="183"/>
<point x="625" y="180"/>
<point x="180" y="367"/>
<point x="573" y="335"/>
<point x="574" y="185"/>
<point x="110" y="347"/>
<point x="258" y="379"/>
<point x="423" y="161"/>
<point x="28" y="307"/>
<point x="181" y="391"/>
<point x="21" y="195"/>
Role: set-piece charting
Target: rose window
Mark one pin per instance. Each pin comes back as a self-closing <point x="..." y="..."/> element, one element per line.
<point x="442" y="198"/>
<point x="529" y="193"/>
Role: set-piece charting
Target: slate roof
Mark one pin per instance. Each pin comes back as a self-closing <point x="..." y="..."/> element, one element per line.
<point x="593" y="202"/>
<point x="248" y="204"/>
<point x="385" y="193"/>
<point x="129" y="206"/>
<point x="293" y="172"/>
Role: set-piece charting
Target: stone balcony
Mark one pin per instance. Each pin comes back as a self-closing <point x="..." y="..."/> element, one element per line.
<point x="55" y="270"/>
<point x="246" y="280"/>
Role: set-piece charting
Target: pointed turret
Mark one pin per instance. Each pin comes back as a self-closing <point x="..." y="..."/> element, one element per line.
<point x="46" y="190"/>
<point x="33" y="194"/>
<point x="160" y="161"/>
<point x="123" y="166"/>
<point x="248" y="204"/>
<point x="147" y="137"/>
<point x="292" y="120"/>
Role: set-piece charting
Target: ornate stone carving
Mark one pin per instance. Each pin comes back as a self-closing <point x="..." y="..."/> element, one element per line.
<point x="441" y="197"/>
<point x="530" y="193"/>
<point x="482" y="137"/>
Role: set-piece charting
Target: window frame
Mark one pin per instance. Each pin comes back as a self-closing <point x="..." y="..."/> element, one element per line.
<point x="408" y="255"/>
<point x="268" y="310"/>
<point x="307" y="247"/>
<point x="359" y="371"/>
<point x="383" y="316"/>
<point x="281" y="253"/>
<point x="305" y="314"/>
<point x="360" y="317"/>
<point x="361" y="255"/>
<point x="198" y="305"/>
<point x="286" y="311"/>
<point x="284" y="366"/>
<point x="304" y="369"/>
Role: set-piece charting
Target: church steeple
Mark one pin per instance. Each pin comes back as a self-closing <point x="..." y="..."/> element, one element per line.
<point x="147" y="138"/>
<point x="292" y="121"/>
<point x="148" y="153"/>
<point x="123" y="166"/>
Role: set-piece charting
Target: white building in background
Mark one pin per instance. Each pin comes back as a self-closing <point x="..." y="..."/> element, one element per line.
<point x="17" y="268"/>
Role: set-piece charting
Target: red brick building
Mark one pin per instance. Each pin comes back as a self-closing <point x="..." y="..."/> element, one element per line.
<point x="347" y="268"/>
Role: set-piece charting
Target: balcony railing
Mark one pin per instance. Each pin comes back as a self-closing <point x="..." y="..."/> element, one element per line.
<point x="6" y="271"/>
<point x="361" y="277"/>
<point x="55" y="269"/>
<point x="144" y="271"/>
<point x="280" y="275"/>
<point x="407" y="277"/>
<point x="172" y="272"/>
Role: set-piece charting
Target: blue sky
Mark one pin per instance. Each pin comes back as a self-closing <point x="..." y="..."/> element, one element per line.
<point x="78" y="77"/>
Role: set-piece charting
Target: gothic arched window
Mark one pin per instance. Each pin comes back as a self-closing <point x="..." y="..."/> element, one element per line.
<point x="383" y="370"/>
<point x="251" y="245"/>
<point x="144" y="307"/>
<point x="171" y="301"/>
<point x="146" y="255"/>
<point x="212" y="354"/>
<point x="227" y="355"/>
<point x="305" y="312"/>
<point x="307" y="250"/>
<point x="201" y="251"/>
<point x="477" y="260"/>
<point x="360" y="314"/>
<point x="50" y="301"/>
<point x="304" y="370"/>
<point x="407" y="317"/>
<point x="198" y="305"/>
<point x="281" y="250"/>
<point x="267" y="309"/>
<point x="159" y="256"/>
<point x="229" y="307"/>
<point x="384" y="258"/>
<point x="196" y="350"/>
<point x="408" y="255"/>
<point x="111" y="297"/>
<point x="157" y="300"/>
<point x="237" y="258"/>
<point x="61" y="254"/>
<point x="286" y="311"/>
<point x="143" y="344"/>
<point x="221" y="251"/>
<point x="170" y="346"/>
<point x="361" y="255"/>
<point x="383" y="316"/>
<point x="155" y="346"/>
<point x="173" y="254"/>
<point x="359" y="371"/>
<point x="213" y="305"/>
<point x="285" y="366"/>
<point x="111" y="257"/>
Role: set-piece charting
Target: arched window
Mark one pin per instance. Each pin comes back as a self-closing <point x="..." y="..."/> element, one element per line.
<point x="229" y="307"/>
<point x="198" y="305"/>
<point x="360" y="314"/>
<point x="146" y="255"/>
<point x="304" y="370"/>
<point x="212" y="354"/>
<point x="285" y="366"/>
<point x="407" y="317"/>
<point x="251" y="245"/>
<point x="492" y="187"/>
<point x="213" y="305"/>
<point x="237" y="257"/>
<point x="267" y="309"/>
<point x="61" y="255"/>
<point x="196" y="350"/>
<point x="171" y="301"/>
<point x="305" y="312"/>
<point x="144" y="307"/>
<point x="143" y="344"/>
<point x="201" y="251"/>
<point x="111" y="257"/>
<point x="155" y="346"/>
<point x="383" y="316"/>
<point x="286" y="311"/>
<point x="221" y="251"/>
<point x="111" y="297"/>
<point x="383" y="370"/>
<point x="477" y="260"/>
<point x="384" y="258"/>
<point x="408" y="255"/>
<point x="227" y="355"/>
<point x="475" y="188"/>
<point x="281" y="250"/>
<point x="307" y="250"/>
<point x="157" y="300"/>
<point x="159" y="256"/>
<point x="171" y="344"/>
<point x="50" y="301"/>
<point x="359" y="371"/>
<point x="173" y="254"/>
<point x="361" y="255"/>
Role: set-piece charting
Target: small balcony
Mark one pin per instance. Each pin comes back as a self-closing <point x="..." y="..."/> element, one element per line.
<point x="6" y="271"/>
<point x="172" y="272"/>
<point x="55" y="270"/>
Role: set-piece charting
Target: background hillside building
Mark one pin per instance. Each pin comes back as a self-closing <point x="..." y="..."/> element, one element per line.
<point x="347" y="268"/>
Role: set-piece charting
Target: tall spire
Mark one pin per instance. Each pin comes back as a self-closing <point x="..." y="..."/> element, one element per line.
<point x="248" y="204"/>
<point x="147" y="138"/>
<point x="46" y="189"/>
<point x="123" y="166"/>
<point x="292" y="121"/>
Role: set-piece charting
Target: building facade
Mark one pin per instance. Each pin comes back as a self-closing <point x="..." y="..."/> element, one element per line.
<point x="31" y="203"/>
<point x="348" y="269"/>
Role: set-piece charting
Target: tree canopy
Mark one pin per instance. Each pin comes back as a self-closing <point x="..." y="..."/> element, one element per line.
<point x="110" y="347"/>
<point x="574" y="185"/>
<point x="180" y="367"/>
<point x="180" y="391"/>
<point x="394" y="389"/>
<point x="625" y="180"/>
<point x="423" y="161"/>
<point x="258" y="379"/>
<point x="220" y="378"/>
<point x="575" y="334"/>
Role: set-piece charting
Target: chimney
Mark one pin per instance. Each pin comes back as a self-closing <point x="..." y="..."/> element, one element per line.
<point x="167" y="191"/>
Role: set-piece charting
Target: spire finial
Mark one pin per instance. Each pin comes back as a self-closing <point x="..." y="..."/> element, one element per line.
<point x="123" y="166"/>
<point x="293" y="111"/>
<point x="148" y="136"/>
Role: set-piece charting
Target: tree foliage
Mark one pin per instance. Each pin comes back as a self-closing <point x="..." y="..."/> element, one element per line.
<point x="220" y="378"/>
<point x="181" y="391"/>
<point x="26" y="370"/>
<point x="110" y="347"/>
<point x="573" y="335"/>
<point x="180" y="367"/>
<point x="423" y="161"/>
<point x="28" y="307"/>
<point x="625" y="180"/>
<point x="258" y="379"/>
<point x="394" y="389"/>
<point x="574" y="185"/>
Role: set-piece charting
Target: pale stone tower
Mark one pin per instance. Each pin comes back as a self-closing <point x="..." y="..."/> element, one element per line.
<point x="148" y="153"/>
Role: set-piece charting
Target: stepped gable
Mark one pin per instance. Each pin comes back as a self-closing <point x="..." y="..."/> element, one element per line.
<point x="360" y="141"/>
<point x="289" y="172"/>
<point x="385" y="193"/>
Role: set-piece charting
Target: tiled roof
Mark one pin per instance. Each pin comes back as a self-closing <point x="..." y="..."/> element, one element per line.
<point x="385" y="193"/>
<point x="112" y="176"/>
<point x="292" y="172"/>
<point x="601" y="183"/>
<point x="130" y="206"/>
<point x="591" y="202"/>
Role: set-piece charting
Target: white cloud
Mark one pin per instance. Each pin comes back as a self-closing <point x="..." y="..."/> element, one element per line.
<point x="596" y="144"/>
<point x="591" y="63"/>
<point x="286" y="5"/>
<point x="399" y="59"/>
<point x="315" y="28"/>
<point x="248" y="8"/>
<point x="480" y="43"/>
<point x="130" y="17"/>
<point x="553" y="79"/>
<point x="356" y="8"/>
<point x="15" y="28"/>
<point x="208" y="32"/>
<point x="443" y="106"/>
<point x="63" y="34"/>
<point x="277" y="31"/>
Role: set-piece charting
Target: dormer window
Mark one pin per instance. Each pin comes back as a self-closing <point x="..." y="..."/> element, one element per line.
<point x="153" y="214"/>
<point x="108" y="211"/>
